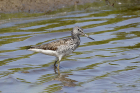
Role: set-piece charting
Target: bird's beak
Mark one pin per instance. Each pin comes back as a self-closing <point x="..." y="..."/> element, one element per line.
<point x="88" y="36"/>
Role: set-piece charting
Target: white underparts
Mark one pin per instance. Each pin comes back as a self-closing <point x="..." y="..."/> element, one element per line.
<point x="48" y="52"/>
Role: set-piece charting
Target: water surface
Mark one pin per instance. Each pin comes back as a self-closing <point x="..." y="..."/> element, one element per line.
<point x="110" y="64"/>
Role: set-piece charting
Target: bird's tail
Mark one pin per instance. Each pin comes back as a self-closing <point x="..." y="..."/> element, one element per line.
<point x="31" y="47"/>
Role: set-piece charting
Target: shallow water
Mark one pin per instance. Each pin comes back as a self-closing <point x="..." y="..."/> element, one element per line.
<point x="110" y="64"/>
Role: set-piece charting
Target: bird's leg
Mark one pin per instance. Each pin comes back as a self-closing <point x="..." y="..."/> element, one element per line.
<point x="59" y="59"/>
<point x="55" y="69"/>
<point x="58" y="65"/>
<point x="58" y="69"/>
<point x="55" y="62"/>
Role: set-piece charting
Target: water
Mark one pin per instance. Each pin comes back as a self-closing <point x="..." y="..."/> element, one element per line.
<point x="110" y="64"/>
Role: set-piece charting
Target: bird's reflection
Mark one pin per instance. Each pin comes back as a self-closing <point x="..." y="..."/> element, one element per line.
<point x="63" y="78"/>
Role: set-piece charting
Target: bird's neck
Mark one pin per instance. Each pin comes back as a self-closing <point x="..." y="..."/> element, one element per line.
<point x="76" y="37"/>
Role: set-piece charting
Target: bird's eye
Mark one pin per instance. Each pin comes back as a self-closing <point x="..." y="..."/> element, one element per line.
<point x="79" y="30"/>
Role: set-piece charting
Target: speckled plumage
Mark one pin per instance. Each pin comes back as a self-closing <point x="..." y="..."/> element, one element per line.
<point x="63" y="47"/>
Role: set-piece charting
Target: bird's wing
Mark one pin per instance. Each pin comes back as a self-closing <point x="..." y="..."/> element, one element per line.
<point x="52" y="45"/>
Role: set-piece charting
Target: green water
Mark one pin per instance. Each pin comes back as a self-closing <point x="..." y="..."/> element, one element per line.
<point x="110" y="64"/>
